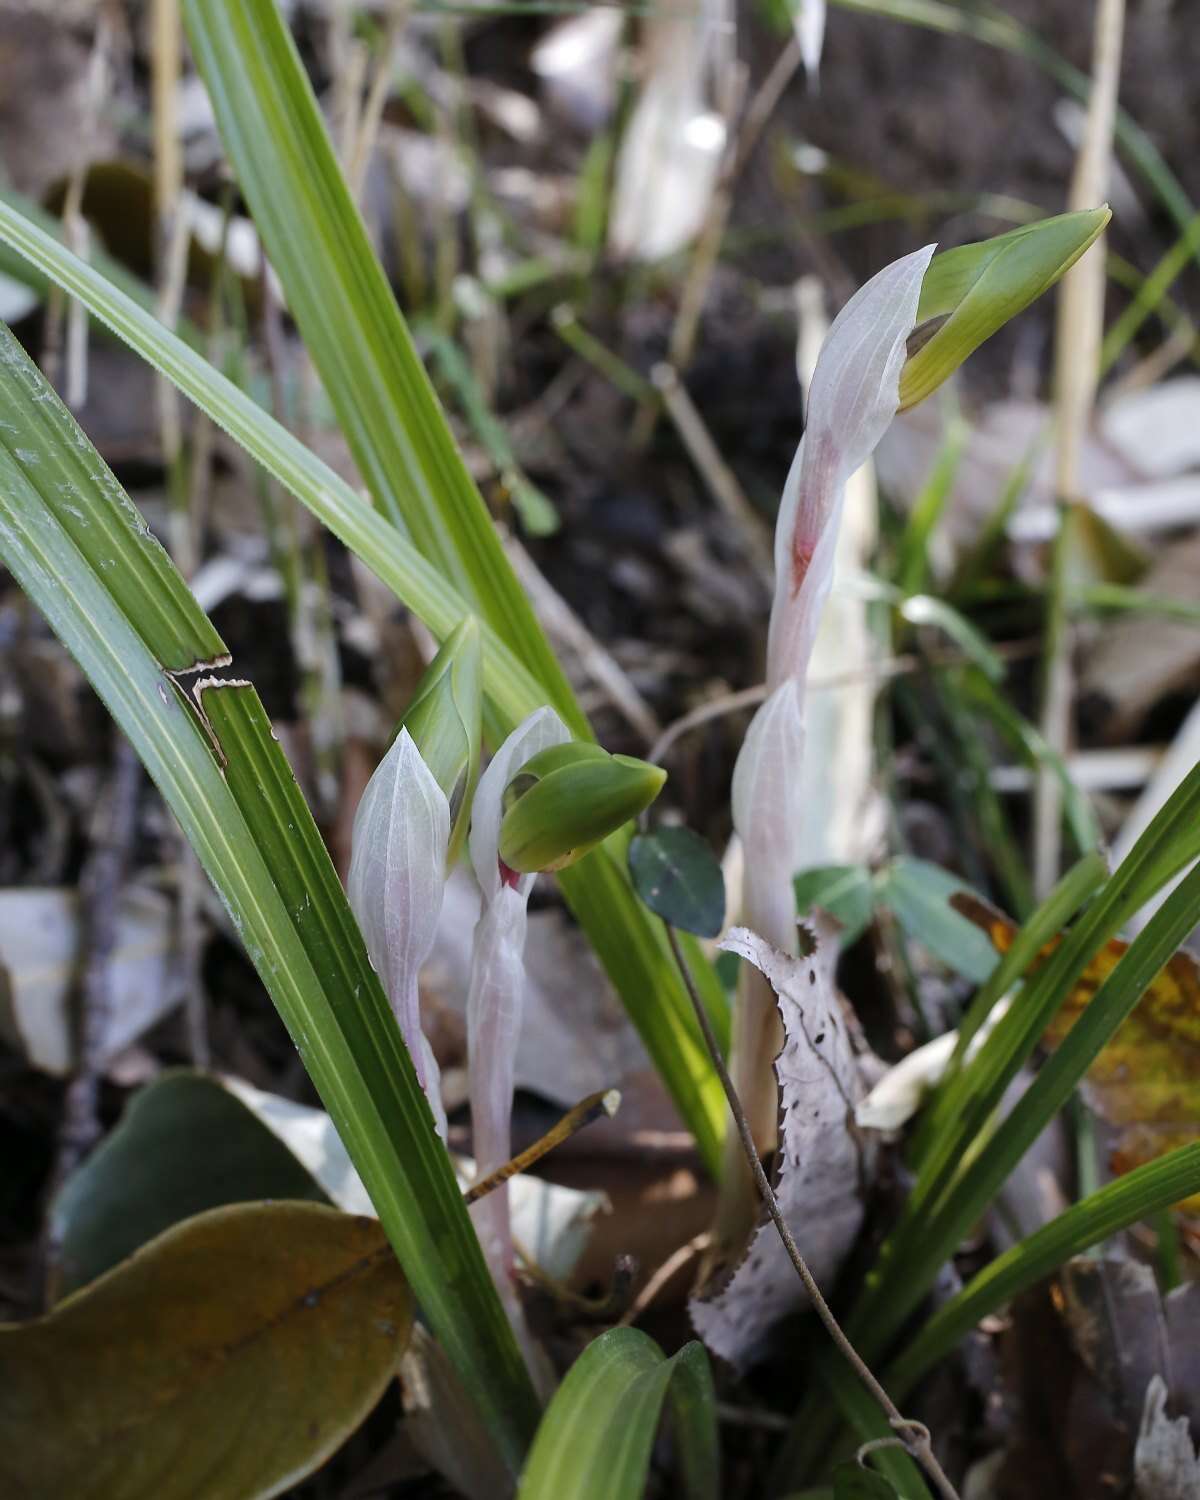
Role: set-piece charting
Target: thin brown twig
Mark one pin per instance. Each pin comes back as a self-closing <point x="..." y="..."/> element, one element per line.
<point x="674" y="1262"/>
<point x="918" y="1442"/>
<point x="606" y="1102"/>
<point x="719" y="479"/>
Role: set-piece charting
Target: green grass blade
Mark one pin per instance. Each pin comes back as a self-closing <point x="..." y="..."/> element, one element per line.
<point x="30" y="275"/>
<point x="358" y="339"/>
<point x="77" y="546"/>
<point x="595" y="1439"/>
<point x="389" y="554"/>
<point x="628" y="942"/>
<point x="937" y="1145"/>
<point x="936" y="1217"/>
<point x="1138" y="1195"/>
<point x="1150" y="296"/>
<point x="927" y="610"/>
<point x="867" y="1421"/>
<point x="982" y="1176"/>
<point x="1029" y="741"/>
<point x="912" y="561"/>
<point x="1122" y="599"/>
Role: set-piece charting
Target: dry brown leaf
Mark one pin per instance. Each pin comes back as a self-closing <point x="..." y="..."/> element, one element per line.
<point x="823" y="1161"/>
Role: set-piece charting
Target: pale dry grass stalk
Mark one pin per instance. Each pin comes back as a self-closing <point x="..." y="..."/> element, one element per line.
<point x="64" y="336"/>
<point x="372" y="110"/>
<point x="1078" y="336"/>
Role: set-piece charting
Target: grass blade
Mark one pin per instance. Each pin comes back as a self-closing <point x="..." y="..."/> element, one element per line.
<point x="75" y="543"/>
<point x="942" y="1204"/>
<point x="352" y="327"/>
<point x="1140" y="1194"/>
<point x="1056" y="1080"/>
<point x="595" y="1439"/>
<point x="627" y="941"/>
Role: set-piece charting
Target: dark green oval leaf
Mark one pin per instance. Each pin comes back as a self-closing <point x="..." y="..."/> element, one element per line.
<point x="183" y="1145"/>
<point x="679" y="878"/>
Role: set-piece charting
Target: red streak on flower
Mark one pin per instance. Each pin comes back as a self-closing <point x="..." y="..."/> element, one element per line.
<point x="802" y="556"/>
<point x="507" y="876"/>
<point x="804" y="543"/>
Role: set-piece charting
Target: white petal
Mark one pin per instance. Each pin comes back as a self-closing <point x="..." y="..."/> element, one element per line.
<point x="809" y="22"/>
<point x="853" y="397"/>
<point x="397" y="865"/>
<point x="900" y="1092"/>
<point x="496" y="994"/>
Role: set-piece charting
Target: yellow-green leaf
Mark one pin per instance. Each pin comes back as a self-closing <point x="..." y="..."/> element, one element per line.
<point x="227" y="1359"/>
<point x="970" y="292"/>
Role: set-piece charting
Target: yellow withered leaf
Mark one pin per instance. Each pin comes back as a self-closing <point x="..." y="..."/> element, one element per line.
<point x="1146" y="1081"/>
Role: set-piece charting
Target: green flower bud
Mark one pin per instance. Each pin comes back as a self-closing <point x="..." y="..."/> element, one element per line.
<point x="444" y="720"/>
<point x="565" y="800"/>
<point x="970" y="292"/>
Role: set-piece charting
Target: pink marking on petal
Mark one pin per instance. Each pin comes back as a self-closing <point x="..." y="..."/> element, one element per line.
<point x="802" y="556"/>
<point x="508" y="877"/>
<point x="804" y="542"/>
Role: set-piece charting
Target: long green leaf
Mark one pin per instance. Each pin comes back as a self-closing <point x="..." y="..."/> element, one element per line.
<point x="1146" y="1190"/>
<point x="629" y="945"/>
<point x="1056" y="1080"/>
<point x="962" y="1166"/>
<point x="78" y="547"/>
<point x="336" y="290"/>
<point x="937" y="1129"/>
<point x="341" y="301"/>
<point x="938" y="1215"/>
<point x="34" y="277"/>
<point x="595" y="1439"/>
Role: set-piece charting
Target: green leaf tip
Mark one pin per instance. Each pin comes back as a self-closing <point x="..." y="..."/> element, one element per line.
<point x="565" y="800"/>
<point x="445" y="722"/>
<point x="970" y="292"/>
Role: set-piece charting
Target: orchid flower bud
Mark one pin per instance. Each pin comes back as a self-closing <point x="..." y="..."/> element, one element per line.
<point x="397" y="874"/>
<point x="970" y="292"/>
<point x="852" y="399"/>
<point x="496" y="993"/>
<point x="444" y="720"/>
<point x="565" y="800"/>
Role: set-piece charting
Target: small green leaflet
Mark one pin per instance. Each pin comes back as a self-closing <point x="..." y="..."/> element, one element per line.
<point x="679" y="878"/>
